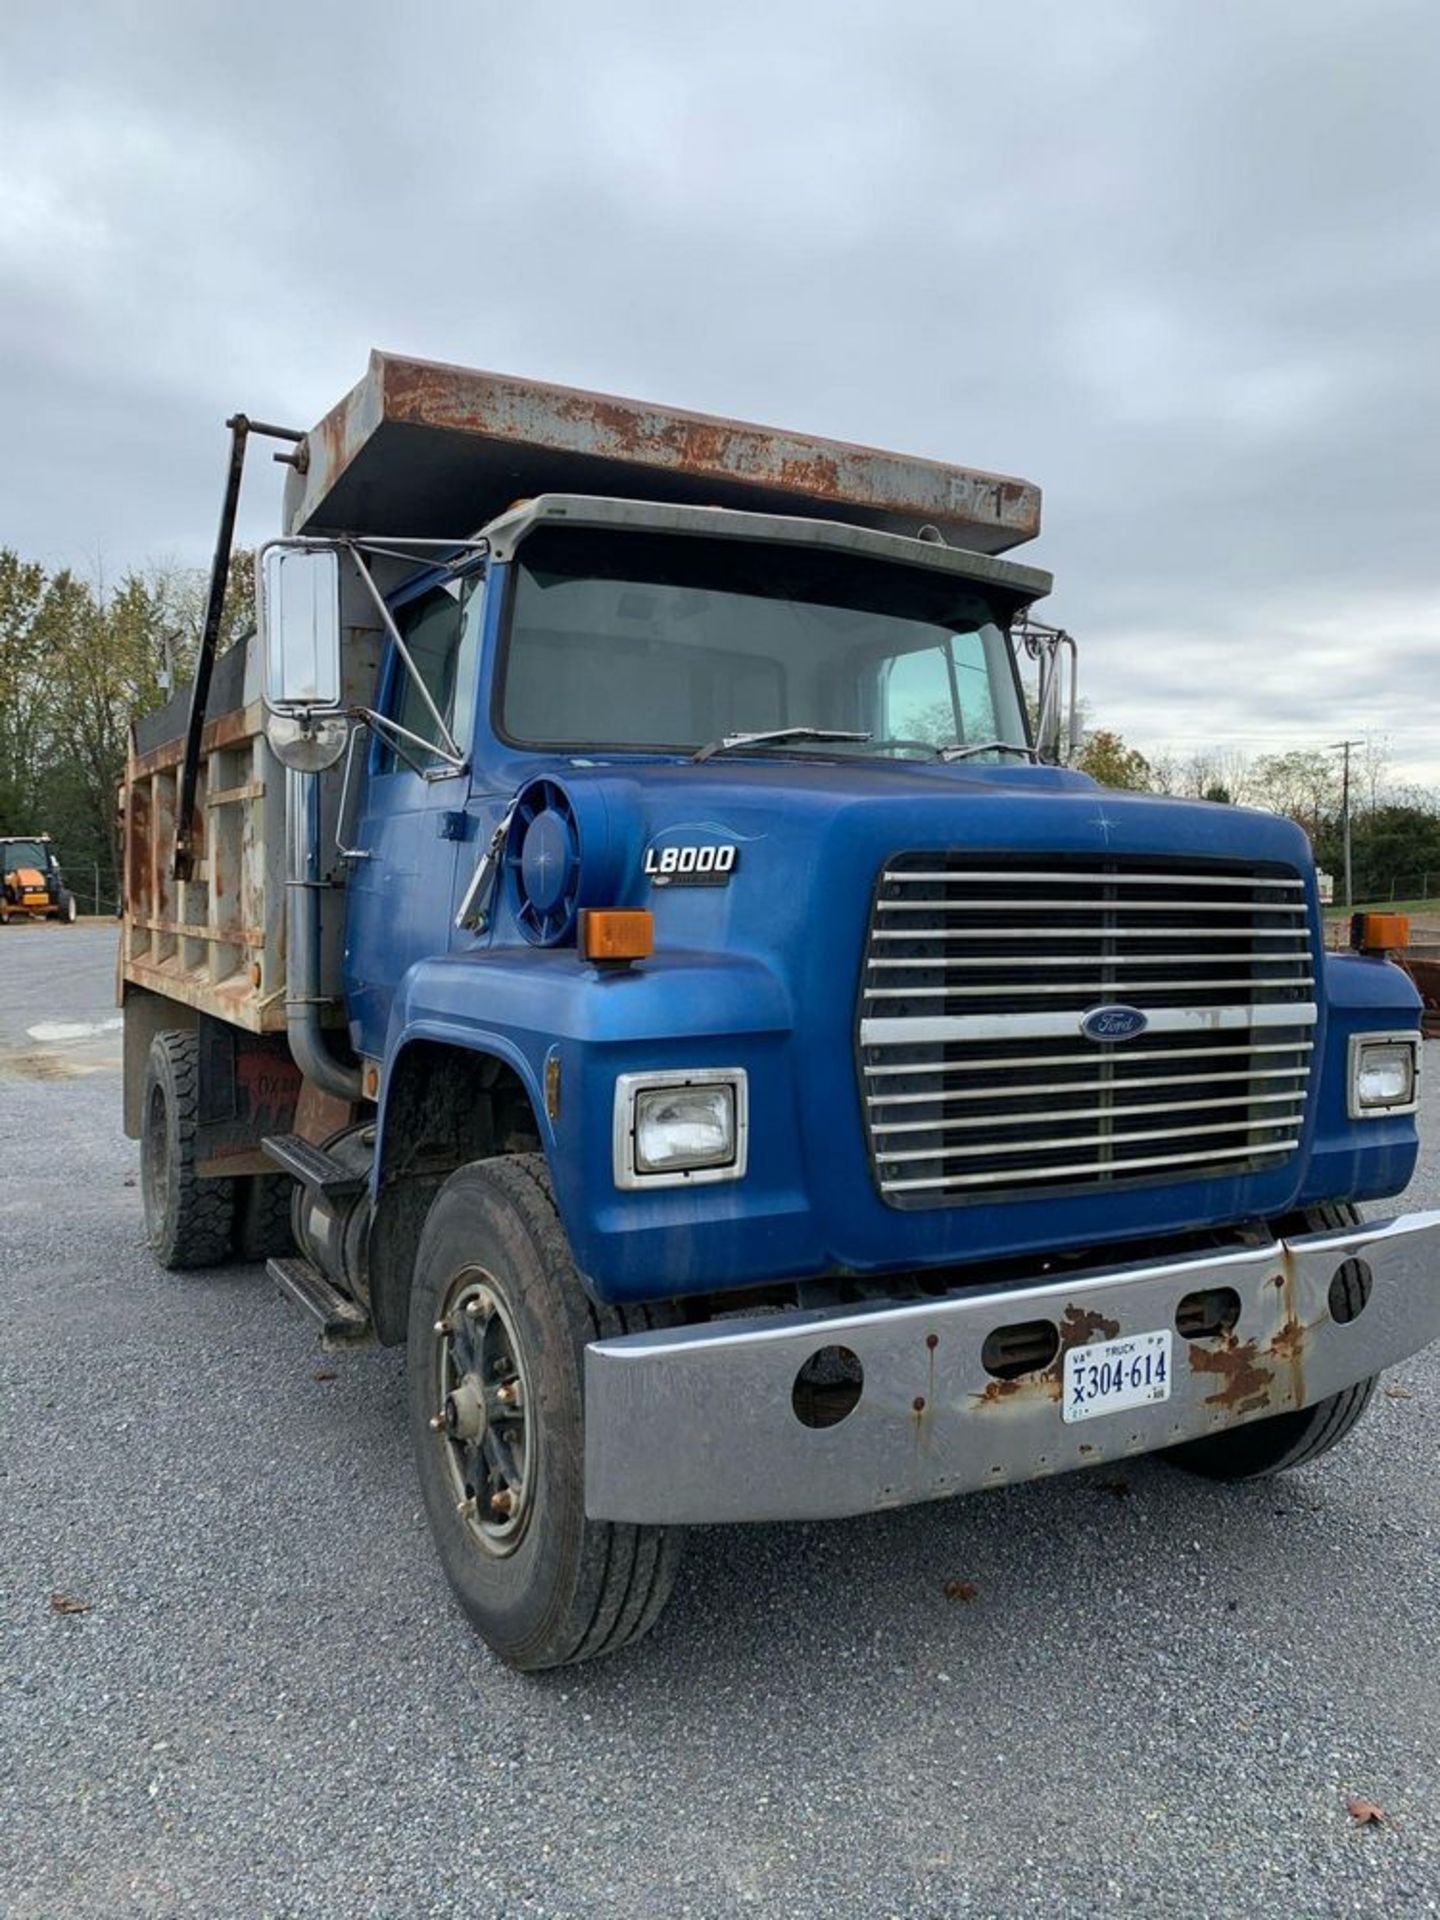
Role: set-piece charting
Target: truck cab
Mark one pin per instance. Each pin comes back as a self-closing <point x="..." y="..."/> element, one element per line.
<point x="713" y="1031"/>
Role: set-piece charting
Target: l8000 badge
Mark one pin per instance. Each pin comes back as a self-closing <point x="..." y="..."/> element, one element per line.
<point x="691" y="866"/>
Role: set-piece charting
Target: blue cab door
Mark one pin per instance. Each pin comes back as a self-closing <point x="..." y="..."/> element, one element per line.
<point x="412" y="829"/>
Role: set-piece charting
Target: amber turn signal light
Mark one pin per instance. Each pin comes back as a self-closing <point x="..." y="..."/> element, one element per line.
<point x="1380" y="932"/>
<point x="617" y="933"/>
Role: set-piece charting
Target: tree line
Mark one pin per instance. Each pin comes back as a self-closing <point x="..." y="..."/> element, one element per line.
<point x="1394" y="828"/>
<point x="80" y="658"/>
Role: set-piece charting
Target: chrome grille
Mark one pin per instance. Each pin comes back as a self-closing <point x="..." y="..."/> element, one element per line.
<point x="975" y="1076"/>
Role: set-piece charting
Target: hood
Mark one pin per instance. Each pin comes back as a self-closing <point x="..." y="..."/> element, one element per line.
<point x="793" y="836"/>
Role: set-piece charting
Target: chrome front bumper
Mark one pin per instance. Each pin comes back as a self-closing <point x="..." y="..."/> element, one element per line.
<point x="696" y="1424"/>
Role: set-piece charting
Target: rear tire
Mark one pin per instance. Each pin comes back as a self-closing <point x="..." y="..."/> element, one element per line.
<point x="188" y="1220"/>
<point x="541" y="1583"/>
<point x="1285" y="1440"/>
<point x="263" y="1204"/>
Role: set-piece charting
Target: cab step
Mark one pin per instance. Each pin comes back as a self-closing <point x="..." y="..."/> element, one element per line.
<point x="312" y="1166"/>
<point x="340" y="1319"/>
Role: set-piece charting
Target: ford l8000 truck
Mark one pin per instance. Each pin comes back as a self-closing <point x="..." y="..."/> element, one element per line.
<point x="616" y="931"/>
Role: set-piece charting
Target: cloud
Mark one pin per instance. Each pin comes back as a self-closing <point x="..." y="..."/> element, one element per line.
<point x="1176" y="263"/>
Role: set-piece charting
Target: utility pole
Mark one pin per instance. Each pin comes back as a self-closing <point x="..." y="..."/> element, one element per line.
<point x="167" y="672"/>
<point x="1344" y="746"/>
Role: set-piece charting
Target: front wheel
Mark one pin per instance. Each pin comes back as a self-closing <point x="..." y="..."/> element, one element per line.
<point x="1285" y="1440"/>
<point x="495" y="1355"/>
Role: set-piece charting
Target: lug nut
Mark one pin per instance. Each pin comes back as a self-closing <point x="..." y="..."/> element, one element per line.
<point x="443" y="1327"/>
<point x="437" y="1423"/>
<point x="503" y="1502"/>
<point x="466" y="1508"/>
<point x="509" y="1394"/>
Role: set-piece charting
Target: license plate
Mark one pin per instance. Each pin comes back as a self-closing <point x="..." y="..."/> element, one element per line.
<point x="1111" y="1375"/>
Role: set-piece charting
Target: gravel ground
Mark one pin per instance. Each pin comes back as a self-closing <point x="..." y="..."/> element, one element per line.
<point x="1156" y="1701"/>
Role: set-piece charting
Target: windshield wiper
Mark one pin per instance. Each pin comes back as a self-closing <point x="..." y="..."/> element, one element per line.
<point x="988" y="746"/>
<point x="731" y="742"/>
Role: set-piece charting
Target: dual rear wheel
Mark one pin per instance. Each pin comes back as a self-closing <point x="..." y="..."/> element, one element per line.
<point x="192" y="1220"/>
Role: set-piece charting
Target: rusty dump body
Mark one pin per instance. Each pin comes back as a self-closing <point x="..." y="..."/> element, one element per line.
<point x="426" y="449"/>
<point x="214" y="942"/>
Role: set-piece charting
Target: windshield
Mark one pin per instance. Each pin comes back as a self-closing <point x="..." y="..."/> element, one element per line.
<point x="645" y="640"/>
<point x="22" y="853"/>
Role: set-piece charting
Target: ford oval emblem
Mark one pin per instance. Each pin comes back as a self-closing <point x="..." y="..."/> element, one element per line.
<point x="1113" y="1023"/>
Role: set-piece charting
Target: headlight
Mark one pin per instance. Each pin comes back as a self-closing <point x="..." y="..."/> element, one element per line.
<point x="677" y="1128"/>
<point x="689" y="1127"/>
<point x="1384" y="1074"/>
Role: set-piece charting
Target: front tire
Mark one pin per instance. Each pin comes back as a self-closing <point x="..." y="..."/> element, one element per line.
<point x="498" y="1326"/>
<point x="188" y="1220"/>
<point x="1285" y="1440"/>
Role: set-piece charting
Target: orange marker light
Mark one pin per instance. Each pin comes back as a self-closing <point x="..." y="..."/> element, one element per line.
<point x="1380" y="932"/>
<point x="617" y="933"/>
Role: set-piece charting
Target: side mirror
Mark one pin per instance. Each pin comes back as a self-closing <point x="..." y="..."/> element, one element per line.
<point x="299" y="611"/>
<point x="300" y="627"/>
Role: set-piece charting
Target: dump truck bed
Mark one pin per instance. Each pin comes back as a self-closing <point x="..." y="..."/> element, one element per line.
<point x="430" y="450"/>
<point x="215" y="942"/>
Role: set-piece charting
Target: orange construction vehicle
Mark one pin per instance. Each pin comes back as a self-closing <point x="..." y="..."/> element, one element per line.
<point x="31" y="883"/>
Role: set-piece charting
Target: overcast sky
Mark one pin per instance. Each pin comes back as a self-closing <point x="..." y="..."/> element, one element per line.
<point x="1178" y="263"/>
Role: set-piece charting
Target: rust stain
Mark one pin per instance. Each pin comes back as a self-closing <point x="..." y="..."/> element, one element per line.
<point x="815" y="475"/>
<point x="541" y="415"/>
<point x="1044" y="1385"/>
<point x="1289" y="1343"/>
<point x="1243" y="1384"/>
<point x="1078" y="1328"/>
<point x="998" y="1390"/>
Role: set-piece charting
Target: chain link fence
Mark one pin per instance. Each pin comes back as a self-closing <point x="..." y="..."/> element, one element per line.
<point x="95" y="885"/>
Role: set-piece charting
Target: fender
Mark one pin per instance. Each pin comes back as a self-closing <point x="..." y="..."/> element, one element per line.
<point x="533" y="1009"/>
<point x="1362" y="1159"/>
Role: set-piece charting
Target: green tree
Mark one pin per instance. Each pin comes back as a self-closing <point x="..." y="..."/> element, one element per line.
<point x="22" y="688"/>
<point x="1106" y="758"/>
<point x="79" y="662"/>
<point x="1304" y="785"/>
<point x="1395" y="850"/>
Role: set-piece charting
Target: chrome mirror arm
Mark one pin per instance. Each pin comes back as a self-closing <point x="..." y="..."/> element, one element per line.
<point x="474" y="911"/>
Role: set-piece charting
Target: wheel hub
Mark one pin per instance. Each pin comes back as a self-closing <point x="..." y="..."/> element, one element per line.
<point x="465" y="1410"/>
<point x="482" y="1425"/>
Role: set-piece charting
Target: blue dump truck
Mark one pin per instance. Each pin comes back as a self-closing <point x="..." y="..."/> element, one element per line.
<point x="621" y="930"/>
